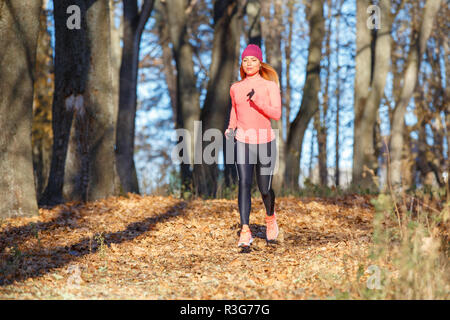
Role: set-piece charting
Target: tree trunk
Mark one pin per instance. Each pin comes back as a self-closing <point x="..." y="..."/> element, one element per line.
<point x="42" y="134"/>
<point x="221" y="75"/>
<point x="437" y="106"/>
<point x="272" y="30"/>
<point x="320" y="118"/>
<point x="363" y="62"/>
<point x="253" y="12"/>
<point x="160" y="15"/>
<point x="311" y="158"/>
<point x="288" y="50"/>
<point x="417" y="48"/>
<point x="424" y="160"/>
<point x="310" y="101"/>
<point x="19" y="30"/>
<point x="71" y="68"/>
<point x="99" y="98"/>
<point x="372" y="67"/>
<point x="134" y="22"/>
<point x="116" y="60"/>
<point x="116" y="52"/>
<point x="322" y="148"/>
<point x="91" y="162"/>
<point x="447" y="105"/>
<point x="338" y="95"/>
<point x="187" y="94"/>
<point x="230" y="173"/>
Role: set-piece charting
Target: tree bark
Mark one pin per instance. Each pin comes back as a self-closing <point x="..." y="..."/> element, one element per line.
<point x="310" y="101"/>
<point x="363" y="62"/>
<point x="188" y="105"/>
<point x="322" y="148"/>
<point x="372" y="67"/>
<point x="42" y="135"/>
<point x="91" y="167"/>
<point x="446" y="99"/>
<point x="134" y="22"/>
<point x="83" y="162"/>
<point x="437" y="106"/>
<point x="19" y="30"/>
<point x="71" y="68"/>
<point x="160" y="15"/>
<point x="116" y="60"/>
<point x="320" y="118"/>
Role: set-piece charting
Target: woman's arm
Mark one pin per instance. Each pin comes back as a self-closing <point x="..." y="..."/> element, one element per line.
<point x="270" y="106"/>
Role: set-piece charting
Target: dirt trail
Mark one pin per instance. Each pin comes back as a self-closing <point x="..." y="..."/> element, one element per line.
<point x="165" y="248"/>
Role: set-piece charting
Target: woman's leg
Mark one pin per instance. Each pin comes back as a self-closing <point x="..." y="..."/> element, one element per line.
<point x="245" y="175"/>
<point x="264" y="174"/>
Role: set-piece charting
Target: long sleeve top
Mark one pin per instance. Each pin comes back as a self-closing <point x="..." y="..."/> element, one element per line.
<point x="252" y="117"/>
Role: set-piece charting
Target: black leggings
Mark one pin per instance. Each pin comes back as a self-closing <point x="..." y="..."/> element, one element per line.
<point x="246" y="156"/>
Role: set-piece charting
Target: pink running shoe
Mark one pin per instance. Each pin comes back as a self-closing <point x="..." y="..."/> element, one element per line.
<point x="245" y="239"/>
<point x="271" y="227"/>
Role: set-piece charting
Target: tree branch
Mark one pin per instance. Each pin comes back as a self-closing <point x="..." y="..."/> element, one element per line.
<point x="146" y="10"/>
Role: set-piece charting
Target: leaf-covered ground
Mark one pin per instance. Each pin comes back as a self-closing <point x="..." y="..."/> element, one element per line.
<point x="154" y="247"/>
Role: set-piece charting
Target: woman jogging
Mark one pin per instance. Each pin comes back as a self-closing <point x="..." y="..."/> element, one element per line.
<point x="255" y="100"/>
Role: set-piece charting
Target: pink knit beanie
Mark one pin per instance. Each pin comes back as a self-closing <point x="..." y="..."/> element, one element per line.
<point x="252" y="50"/>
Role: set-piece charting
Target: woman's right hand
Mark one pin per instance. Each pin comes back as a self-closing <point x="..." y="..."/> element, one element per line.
<point x="228" y="133"/>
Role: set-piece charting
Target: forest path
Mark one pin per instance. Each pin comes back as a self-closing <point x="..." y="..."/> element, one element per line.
<point x="153" y="247"/>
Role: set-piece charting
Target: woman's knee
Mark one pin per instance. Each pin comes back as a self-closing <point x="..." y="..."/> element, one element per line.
<point x="265" y="192"/>
<point x="245" y="183"/>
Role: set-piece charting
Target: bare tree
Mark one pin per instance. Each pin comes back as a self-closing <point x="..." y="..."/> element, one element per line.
<point x="227" y="31"/>
<point x="418" y="45"/>
<point x="338" y="93"/>
<point x="373" y="50"/>
<point x="310" y="101"/>
<point x="253" y="12"/>
<point x="288" y="55"/>
<point x="188" y="104"/>
<point x="169" y="70"/>
<point x="83" y="162"/>
<point x="70" y="83"/>
<point x="42" y="135"/>
<point x="134" y="23"/>
<point x="19" y="30"/>
<point x="320" y="118"/>
<point x="430" y="105"/>
<point x="116" y="60"/>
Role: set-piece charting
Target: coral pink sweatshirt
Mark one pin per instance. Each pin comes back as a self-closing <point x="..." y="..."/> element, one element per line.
<point x="252" y="118"/>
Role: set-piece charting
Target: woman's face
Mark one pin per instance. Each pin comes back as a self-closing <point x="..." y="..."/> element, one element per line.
<point x="250" y="64"/>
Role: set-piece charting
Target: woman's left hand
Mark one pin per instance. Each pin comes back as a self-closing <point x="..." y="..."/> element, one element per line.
<point x="250" y="94"/>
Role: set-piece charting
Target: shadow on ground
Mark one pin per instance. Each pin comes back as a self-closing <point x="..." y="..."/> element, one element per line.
<point x="19" y="266"/>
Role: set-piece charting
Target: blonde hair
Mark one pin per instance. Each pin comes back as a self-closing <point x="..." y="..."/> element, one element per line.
<point x="266" y="71"/>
